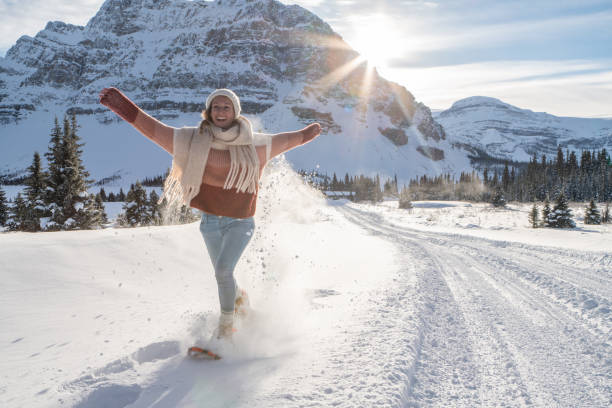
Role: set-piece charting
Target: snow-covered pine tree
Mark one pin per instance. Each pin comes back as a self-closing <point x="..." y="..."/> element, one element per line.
<point x="498" y="199"/>
<point x="187" y="215"/>
<point x="19" y="214"/>
<point x="534" y="219"/>
<point x="99" y="207"/>
<point x="135" y="207"/>
<point x="546" y="213"/>
<point x="67" y="180"/>
<point x="154" y="211"/>
<point x="605" y="217"/>
<point x="35" y="191"/>
<point x="4" y="209"/>
<point x="561" y="215"/>
<point x="55" y="176"/>
<point x="91" y="215"/>
<point x="592" y="215"/>
<point x="404" y="199"/>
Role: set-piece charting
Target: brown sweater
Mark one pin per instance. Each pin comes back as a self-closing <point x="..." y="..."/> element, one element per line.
<point x="216" y="200"/>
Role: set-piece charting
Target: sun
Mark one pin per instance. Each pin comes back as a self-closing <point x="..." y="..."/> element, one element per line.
<point x="376" y="40"/>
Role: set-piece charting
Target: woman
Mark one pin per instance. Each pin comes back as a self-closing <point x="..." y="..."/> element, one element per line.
<point x="216" y="168"/>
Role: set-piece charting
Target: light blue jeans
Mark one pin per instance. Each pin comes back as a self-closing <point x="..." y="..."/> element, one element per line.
<point x="226" y="238"/>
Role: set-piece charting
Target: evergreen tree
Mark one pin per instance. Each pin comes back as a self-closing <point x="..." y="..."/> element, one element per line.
<point x="498" y="199"/>
<point x="91" y="215"/>
<point x="120" y="196"/>
<point x="534" y="220"/>
<point x="135" y="207"/>
<point x="591" y="214"/>
<point x="99" y="208"/>
<point x="19" y="214"/>
<point x="605" y="218"/>
<point x="404" y="200"/>
<point x="102" y="194"/>
<point x="546" y="213"/>
<point x="378" y="193"/>
<point x="187" y="216"/>
<point x="67" y="179"/>
<point x="35" y="195"/>
<point x="153" y="209"/>
<point x="334" y="183"/>
<point x="55" y="173"/>
<point x="561" y="215"/>
<point x="4" y="209"/>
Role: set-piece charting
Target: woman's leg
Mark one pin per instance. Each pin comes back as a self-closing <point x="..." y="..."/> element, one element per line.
<point x="226" y="238"/>
<point x="210" y="228"/>
<point x="236" y="233"/>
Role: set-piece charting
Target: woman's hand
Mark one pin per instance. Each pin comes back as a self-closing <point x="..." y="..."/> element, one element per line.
<point x="310" y="132"/>
<point x="113" y="99"/>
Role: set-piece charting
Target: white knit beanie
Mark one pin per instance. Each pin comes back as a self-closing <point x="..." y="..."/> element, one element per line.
<point x="231" y="95"/>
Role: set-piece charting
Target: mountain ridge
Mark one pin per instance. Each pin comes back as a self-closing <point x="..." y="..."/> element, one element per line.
<point x="286" y="64"/>
<point x="507" y="132"/>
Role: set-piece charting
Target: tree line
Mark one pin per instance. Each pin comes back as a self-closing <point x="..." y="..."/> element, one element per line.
<point x="58" y="195"/>
<point x="589" y="178"/>
<point x="57" y="198"/>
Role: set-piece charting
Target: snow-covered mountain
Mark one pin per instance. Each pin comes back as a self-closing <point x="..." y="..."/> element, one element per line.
<point x="490" y="126"/>
<point x="287" y="65"/>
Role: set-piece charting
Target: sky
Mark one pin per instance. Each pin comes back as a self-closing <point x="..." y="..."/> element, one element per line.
<point x="550" y="56"/>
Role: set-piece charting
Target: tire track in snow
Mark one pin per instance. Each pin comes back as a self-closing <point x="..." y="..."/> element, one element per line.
<point x="449" y="369"/>
<point x="529" y="350"/>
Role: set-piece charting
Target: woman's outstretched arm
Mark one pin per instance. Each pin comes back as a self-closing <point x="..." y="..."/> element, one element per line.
<point x="152" y="128"/>
<point x="282" y="142"/>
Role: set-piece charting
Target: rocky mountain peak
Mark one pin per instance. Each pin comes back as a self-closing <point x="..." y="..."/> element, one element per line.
<point x="169" y="55"/>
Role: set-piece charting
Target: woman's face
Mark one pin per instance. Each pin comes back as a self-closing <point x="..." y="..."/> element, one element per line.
<point x="222" y="111"/>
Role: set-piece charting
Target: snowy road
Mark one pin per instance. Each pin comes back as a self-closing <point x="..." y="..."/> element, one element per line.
<point x="504" y="324"/>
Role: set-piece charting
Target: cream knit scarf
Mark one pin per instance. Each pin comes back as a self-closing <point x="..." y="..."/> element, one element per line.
<point x="190" y="154"/>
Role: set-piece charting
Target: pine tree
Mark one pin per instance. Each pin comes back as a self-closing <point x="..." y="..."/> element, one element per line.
<point x="498" y="199"/>
<point x="153" y="209"/>
<point x="35" y="195"/>
<point x="546" y="213"/>
<point x="534" y="220"/>
<point x="121" y="196"/>
<point x="135" y="207"/>
<point x="592" y="215"/>
<point x="99" y="208"/>
<point x="102" y="194"/>
<point x="404" y="200"/>
<point x="55" y="176"/>
<point x="187" y="216"/>
<point x="4" y="209"/>
<point x="561" y="215"/>
<point x="378" y="193"/>
<point x="91" y="215"/>
<point x="605" y="218"/>
<point x="19" y="214"/>
<point x="67" y="178"/>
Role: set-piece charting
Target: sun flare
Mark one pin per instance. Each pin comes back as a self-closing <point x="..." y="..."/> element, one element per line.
<point x="376" y="39"/>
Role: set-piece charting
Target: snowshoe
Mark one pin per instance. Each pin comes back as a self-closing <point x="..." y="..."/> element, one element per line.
<point x="202" y="354"/>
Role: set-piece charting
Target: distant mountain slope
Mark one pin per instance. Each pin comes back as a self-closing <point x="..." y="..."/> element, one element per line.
<point x="489" y="125"/>
<point x="287" y="65"/>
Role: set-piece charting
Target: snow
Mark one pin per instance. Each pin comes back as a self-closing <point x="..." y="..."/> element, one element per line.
<point x="448" y="304"/>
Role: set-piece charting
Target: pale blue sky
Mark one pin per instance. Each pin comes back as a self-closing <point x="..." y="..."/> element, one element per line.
<point x="544" y="55"/>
